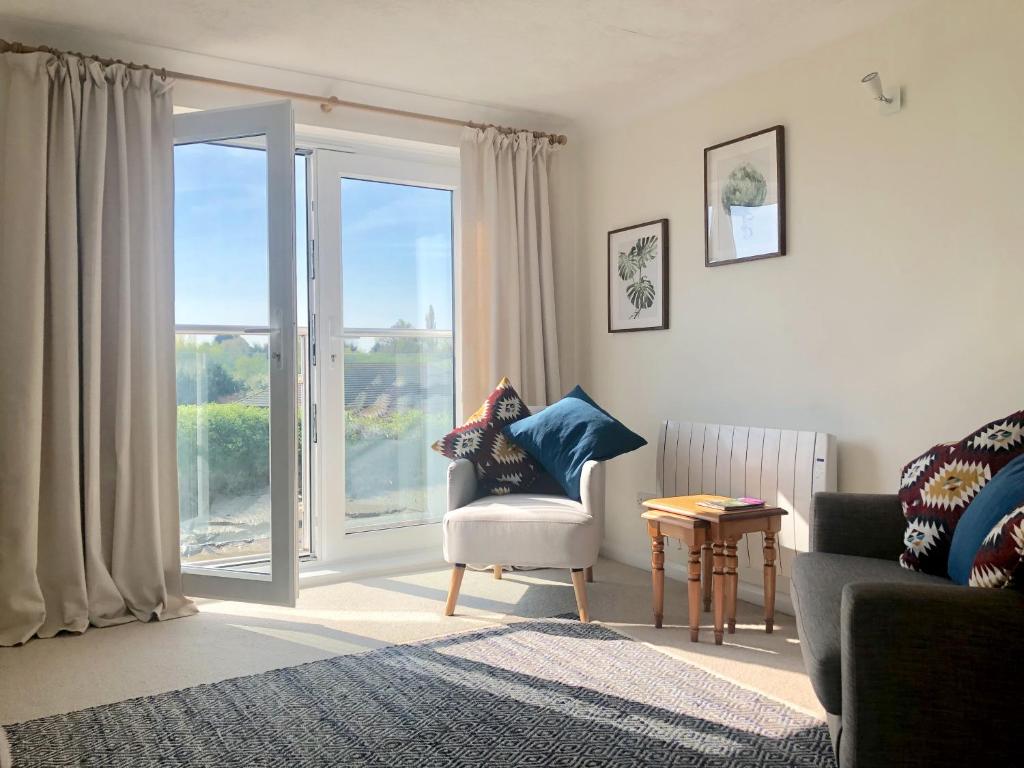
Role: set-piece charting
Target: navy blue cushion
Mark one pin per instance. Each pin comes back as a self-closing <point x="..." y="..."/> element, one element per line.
<point x="580" y="394"/>
<point x="1000" y="496"/>
<point x="566" y="435"/>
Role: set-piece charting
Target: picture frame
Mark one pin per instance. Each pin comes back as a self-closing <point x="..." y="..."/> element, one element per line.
<point x="745" y="198"/>
<point x="638" y="277"/>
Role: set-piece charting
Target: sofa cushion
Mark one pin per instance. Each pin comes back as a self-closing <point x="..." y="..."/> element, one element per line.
<point x="522" y="529"/>
<point x="817" y="591"/>
<point x="937" y="487"/>
<point x="988" y="543"/>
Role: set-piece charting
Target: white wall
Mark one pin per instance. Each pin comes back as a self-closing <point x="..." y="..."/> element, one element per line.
<point x="897" y="318"/>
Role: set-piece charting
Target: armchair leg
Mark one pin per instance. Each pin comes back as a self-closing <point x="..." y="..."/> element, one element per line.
<point x="453" y="588"/>
<point x="497" y="571"/>
<point x="589" y="570"/>
<point x="579" y="585"/>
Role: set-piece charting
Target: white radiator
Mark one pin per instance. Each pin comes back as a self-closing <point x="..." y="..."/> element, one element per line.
<point x="784" y="467"/>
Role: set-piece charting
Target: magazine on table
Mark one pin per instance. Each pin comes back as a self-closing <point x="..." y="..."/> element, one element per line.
<point x="730" y="505"/>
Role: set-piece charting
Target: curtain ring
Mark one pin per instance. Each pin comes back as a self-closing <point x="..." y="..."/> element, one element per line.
<point x="163" y="74"/>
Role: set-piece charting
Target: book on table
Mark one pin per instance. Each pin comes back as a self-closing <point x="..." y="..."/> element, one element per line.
<point x="729" y="505"/>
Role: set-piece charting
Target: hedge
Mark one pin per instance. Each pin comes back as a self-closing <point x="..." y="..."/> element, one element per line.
<point x="238" y="448"/>
<point x="240" y="460"/>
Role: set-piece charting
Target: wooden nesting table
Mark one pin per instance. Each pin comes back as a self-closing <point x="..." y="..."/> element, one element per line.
<point x="711" y="536"/>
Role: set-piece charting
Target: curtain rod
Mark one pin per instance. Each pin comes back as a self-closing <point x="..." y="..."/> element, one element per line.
<point x="327" y="103"/>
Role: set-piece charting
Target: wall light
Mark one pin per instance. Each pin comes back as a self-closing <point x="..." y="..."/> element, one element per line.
<point x="888" y="103"/>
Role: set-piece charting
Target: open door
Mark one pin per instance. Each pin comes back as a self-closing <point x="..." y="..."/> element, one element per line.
<point x="235" y="315"/>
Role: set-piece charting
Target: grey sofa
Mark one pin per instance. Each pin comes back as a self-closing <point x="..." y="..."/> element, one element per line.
<point x="913" y="670"/>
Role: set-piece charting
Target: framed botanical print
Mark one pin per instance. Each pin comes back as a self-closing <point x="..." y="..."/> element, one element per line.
<point x="745" y="198"/>
<point x="638" y="277"/>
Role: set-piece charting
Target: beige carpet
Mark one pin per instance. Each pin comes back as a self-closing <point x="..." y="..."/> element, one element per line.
<point x="226" y="640"/>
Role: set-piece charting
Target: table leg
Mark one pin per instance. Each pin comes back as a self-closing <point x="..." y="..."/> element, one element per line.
<point x="694" y="596"/>
<point x="658" y="577"/>
<point x="705" y="553"/>
<point x="731" y="584"/>
<point x="718" y="589"/>
<point x="769" y="581"/>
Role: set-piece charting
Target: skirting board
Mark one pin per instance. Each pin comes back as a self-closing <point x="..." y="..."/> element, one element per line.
<point x="751" y="593"/>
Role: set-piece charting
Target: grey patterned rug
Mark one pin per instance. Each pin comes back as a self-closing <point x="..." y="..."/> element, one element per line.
<point x="550" y="692"/>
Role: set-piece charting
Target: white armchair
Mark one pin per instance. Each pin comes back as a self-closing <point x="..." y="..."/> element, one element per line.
<point x="536" y="530"/>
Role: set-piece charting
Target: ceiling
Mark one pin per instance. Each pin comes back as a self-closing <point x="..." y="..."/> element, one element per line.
<point x="580" y="59"/>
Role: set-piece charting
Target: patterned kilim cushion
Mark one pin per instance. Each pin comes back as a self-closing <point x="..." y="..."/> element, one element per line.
<point x="987" y="544"/>
<point x="1000" y="559"/>
<point x="936" y="487"/>
<point x="501" y="465"/>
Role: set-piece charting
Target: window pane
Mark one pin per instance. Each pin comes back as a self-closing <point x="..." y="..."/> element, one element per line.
<point x="396" y="244"/>
<point x="399" y="385"/>
<point x="398" y="401"/>
<point x="223" y="377"/>
<point x="223" y="385"/>
<point x="220" y="234"/>
<point x="301" y="242"/>
<point x="303" y="351"/>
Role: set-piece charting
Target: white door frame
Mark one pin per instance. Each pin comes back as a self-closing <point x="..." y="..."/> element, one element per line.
<point x="351" y="551"/>
<point x="275" y="122"/>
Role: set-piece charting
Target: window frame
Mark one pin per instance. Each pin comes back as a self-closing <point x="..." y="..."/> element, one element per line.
<point x="391" y="162"/>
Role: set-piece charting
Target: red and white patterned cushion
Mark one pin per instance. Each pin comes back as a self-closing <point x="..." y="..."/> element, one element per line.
<point x="937" y="487"/>
<point x="501" y="465"/>
<point x="1000" y="559"/>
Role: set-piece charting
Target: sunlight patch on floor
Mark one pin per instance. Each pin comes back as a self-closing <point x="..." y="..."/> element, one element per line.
<point x="327" y="617"/>
<point x="753" y="648"/>
<point x="512" y="589"/>
<point x="331" y="645"/>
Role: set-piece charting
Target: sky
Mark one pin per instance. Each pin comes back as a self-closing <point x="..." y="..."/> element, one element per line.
<point x="396" y="244"/>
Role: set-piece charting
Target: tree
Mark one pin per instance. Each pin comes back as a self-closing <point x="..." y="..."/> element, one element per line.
<point x="219" y="383"/>
<point x="397" y="344"/>
<point x="229" y="364"/>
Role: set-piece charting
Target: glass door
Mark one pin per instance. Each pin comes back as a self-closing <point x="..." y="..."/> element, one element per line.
<point x="235" y="312"/>
<point x="385" y="267"/>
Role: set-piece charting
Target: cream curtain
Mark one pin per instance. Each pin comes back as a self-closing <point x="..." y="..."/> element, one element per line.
<point x="507" y="293"/>
<point x="88" y="479"/>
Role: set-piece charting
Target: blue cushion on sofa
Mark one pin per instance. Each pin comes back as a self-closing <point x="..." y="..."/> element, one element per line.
<point x="1001" y="495"/>
<point x="566" y="435"/>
